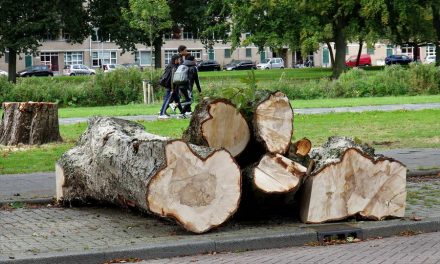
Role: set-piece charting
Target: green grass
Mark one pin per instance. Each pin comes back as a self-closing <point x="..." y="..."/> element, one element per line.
<point x="140" y="109"/>
<point x="384" y="130"/>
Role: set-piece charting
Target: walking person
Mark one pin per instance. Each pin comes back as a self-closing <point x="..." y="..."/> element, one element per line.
<point x="171" y="92"/>
<point x="187" y="89"/>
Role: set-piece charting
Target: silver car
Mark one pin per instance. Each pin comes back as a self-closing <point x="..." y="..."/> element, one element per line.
<point x="77" y="69"/>
<point x="273" y="63"/>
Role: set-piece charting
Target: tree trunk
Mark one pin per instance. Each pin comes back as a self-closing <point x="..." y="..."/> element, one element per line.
<point x="29" y="123"/>
<point x="332" y="56"/>
<point x="416" y="52"/>
<point x="12" y="65"/>
<point x="358" y="58"/>
<point x="273" y="123"/>
<point x="349" y="180"/>
<point x="340" y="40"/>
<point x="218" y="124"/>
<point x="158" y="52"/>
<point x="436" y="23"/>
<point x="116" y="161"/>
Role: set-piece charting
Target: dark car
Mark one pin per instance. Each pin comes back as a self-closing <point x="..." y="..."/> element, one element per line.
<point x="39" y="70"/>
<point x="209" y="65"/>
<point x="240" y="65"/>
<point x="398" y="59"/>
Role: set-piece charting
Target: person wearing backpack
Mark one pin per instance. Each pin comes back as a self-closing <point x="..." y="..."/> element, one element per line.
<point x="171" y="91"/>
<point x="193" y="78"/>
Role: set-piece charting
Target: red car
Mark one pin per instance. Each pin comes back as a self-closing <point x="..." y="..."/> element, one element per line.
<point x="364" y="60"/>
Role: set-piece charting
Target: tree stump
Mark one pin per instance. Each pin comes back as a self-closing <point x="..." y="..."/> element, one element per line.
<point x="116" y="161"/>
<point x="29" y="123"/>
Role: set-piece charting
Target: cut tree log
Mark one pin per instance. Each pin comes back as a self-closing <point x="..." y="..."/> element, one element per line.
<point x="117" y="161"/>
<point x="301" y="148"/>
<point x="217" y="123"/>
<point x="273" y="122"/>
<point x="29" y="123"/>
<point x="276" y="174"/>
<point x="350" y="180"/>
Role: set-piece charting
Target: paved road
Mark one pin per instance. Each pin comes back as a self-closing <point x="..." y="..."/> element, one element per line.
<point x="424" y="248"/>
<point x="304" y="111"/>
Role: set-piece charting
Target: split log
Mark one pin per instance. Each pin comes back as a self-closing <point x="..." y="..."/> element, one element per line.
<point x="273" y="122"/>
<point x="301" y="148"/>
<point x="29" y="123"/>
<point x="350" y="180"/>
<point x="276" y="174"/>
<point x="217" y="123"/>
<point x="117" y="161"/>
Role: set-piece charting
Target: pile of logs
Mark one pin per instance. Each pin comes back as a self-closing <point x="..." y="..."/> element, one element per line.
<point x="226" y="156"/>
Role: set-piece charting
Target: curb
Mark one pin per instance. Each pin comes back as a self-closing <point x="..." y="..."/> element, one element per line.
<point x="421" y="173"/>
<point x="29" y="201"/>
<point x="234" y="244"/>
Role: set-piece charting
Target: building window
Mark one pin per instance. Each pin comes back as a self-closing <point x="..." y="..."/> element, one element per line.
<point x="347" y="51"/>
<point x="7" y="57"/>
<point x="50" y="59"/>
<point x="248" y="52"/>
<point x="73" y="58"/>
<point x="168" y="55"/>
<point x="167" y="36"/>
<point x="196" y="53"/>
<point x="227" y="53"/>
<point x="103" y="57"/>
<point x="188" y="35"/>
<point x="247" y="35"/>
<point x="408" y="51"/>
<point x="430" y="50"/>
<point x="389" y="50"/>
<point x="144" y="58"/>
<point x="211" y="54"/>
<point x="370" y="51"/>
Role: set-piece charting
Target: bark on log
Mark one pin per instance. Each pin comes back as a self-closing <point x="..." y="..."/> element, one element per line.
<point x="273" y="122"/>
<point x="29" y="123"/>
<point x="217" y="123"/>
<point x="117" y="161"/>
<point x="349" y="180"/>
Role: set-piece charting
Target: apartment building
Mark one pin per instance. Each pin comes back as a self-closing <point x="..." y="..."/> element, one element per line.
<point x="57" y="52"/>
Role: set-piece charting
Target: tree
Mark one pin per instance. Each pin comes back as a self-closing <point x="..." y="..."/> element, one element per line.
<point x="435" y="8"/>
<point x="23" y="24"/>
<point x="151" y="17"/>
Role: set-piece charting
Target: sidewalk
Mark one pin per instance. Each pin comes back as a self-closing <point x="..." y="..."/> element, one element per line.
<point x="302" y="111"/>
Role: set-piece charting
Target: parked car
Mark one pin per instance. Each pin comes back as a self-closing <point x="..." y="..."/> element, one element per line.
<point x="364" y="60"/>
<point x="3" y="73"/>
<point x="209" y="65"/>
<point x="430" y="59"/>
<point x="38" y="70"/>
<point x="273" y="63"/>
<point x="77" y="69"/>
<point x="112" y="67"/>
<point x="398" y="59"/>
<point x="240" y="65"/>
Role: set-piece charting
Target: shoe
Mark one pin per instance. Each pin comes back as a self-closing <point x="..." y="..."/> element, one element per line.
<point x="188" y="113"/>
<point x="181" y="116"/>
<point x="173" y="107"/>
<point x="163" y="117"/>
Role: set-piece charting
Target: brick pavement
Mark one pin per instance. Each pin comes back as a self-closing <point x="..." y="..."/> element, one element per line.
<point x="424" y="248"/>
<point x="30" y="232"/>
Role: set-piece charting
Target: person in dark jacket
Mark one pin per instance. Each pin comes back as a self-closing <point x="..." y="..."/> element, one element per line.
<point x="193" y="78"/>
<point x="171" y="92"/>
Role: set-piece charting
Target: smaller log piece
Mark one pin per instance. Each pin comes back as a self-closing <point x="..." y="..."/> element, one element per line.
<point x="29" y="123"/>
<point x="301" y="148"/>
<point x="116" y="161"/>
<point x="217" y="123"/>
<point x="273" y="122"/>
<point x="349" y="180"/>
<point x="277" y="174"/>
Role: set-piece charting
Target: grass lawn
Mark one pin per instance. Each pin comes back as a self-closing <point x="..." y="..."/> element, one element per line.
<point x="140" y="109"/>
<point x="384" y="130"/>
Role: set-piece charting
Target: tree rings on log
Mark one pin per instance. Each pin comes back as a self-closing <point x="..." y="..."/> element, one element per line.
<point x="218" y="124"/>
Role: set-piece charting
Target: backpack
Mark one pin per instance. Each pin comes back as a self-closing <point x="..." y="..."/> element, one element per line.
<point x="165" y="79"/>
<point x="181" y="75"/>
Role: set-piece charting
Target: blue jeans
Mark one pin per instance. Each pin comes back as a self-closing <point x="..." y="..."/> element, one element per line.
<point x="168" y="98"/>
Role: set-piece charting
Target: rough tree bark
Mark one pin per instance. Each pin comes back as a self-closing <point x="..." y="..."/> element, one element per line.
<point x="29" y="123"/>
<point x="350" y="180"/>
<point x="217" y="123"/>
<point x="116" y="161"/>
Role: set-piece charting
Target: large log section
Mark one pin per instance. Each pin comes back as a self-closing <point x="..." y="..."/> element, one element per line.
<point x="117" y="161"/>
<point x="348" y="180"/>
<point x="29" y="123"/>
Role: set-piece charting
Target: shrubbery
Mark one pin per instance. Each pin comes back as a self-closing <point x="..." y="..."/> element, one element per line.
<point x="125" y="86"/>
